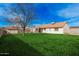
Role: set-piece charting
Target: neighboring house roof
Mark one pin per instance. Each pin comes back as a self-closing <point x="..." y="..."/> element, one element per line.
<point x="11" y="28"/>
<point x="55" y="25"/>
<point x="74" y="28"/>
<point x="15" y="28"/>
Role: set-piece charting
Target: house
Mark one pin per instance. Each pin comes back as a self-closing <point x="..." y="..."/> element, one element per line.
<point x="55" y="28"/>
<point x="2" y="32"/>
<point x="74" y="30"/>
<point x="11" y="29"/>
<point x="28" y="30"/>
<point x="15" y="29"/>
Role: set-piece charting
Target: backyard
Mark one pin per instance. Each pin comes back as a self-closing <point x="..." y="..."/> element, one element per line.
<point x="38" y="44"/>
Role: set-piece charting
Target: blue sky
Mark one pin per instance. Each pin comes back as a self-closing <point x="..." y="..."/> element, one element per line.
<point x="49" y="12"/>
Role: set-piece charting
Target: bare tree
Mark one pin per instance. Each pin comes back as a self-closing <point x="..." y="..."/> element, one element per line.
<point x="21" y="15"/>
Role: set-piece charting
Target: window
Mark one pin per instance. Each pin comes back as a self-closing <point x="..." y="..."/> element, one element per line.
<point x="56" y="29"/>
<point x="44" y="28"/>
<point x="49" y="28"/>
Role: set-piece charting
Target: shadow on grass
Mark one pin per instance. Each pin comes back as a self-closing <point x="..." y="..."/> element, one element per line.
<point x="12" y="46"/>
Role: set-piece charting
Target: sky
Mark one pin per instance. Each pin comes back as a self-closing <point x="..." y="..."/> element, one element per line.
<point x="47" y="13"/>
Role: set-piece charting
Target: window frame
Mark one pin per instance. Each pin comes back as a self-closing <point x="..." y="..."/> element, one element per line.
<point x="56" y="29"/>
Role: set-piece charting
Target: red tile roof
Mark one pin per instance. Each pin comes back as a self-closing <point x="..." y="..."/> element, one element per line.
<point x="55" y="25"/>
<point x="11" y="28"/>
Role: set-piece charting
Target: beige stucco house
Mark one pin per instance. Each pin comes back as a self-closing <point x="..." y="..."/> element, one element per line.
<point x="11" y="29"/>
<point x="55" y="28"/>
<point x="74" y="30"/>
<point x="15" y="29"/>
<point x="2" y="32"/>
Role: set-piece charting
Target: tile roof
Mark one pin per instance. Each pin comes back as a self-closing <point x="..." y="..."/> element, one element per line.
<point x="55" y="25"/>
<point x="11" y="28"/>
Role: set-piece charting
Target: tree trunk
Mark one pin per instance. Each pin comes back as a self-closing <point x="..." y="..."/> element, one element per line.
<point x="23" y="31"/>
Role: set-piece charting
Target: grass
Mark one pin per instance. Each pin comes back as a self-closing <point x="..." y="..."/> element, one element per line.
<point x="39" y="44"/>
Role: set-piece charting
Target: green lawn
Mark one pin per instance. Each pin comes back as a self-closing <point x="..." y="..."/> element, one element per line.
<point x="39" y="44"/>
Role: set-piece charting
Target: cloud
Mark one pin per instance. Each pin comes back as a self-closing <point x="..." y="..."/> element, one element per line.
<point x="1" y="12"/>
<point x="73" y="19"/>
<point x="74" y="24"/>
<point x="71" y="13"/>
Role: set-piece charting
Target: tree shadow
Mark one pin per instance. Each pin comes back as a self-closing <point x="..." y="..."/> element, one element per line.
<point x="13" y="46"/>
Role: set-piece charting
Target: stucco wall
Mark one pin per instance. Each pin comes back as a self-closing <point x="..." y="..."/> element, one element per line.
<point x="63" y="30"/>
<point x="53" y="31"/>
<point x="66" y="29"/>
<point x="74" y="32"/>
<point x="12" y="31"/>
